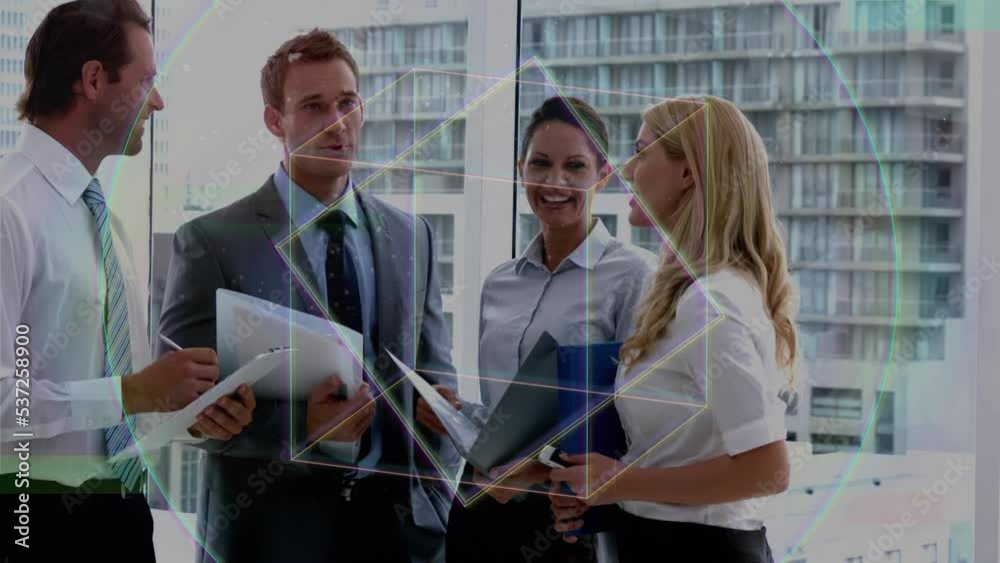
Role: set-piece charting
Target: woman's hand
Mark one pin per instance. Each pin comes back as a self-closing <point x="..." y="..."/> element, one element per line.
<point x="601" y="470"/>
<point x="531" y="473"/>
<point x="568" y="512"/>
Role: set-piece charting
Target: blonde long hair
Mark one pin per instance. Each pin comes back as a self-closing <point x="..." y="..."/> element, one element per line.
<point x="726" y="220"/>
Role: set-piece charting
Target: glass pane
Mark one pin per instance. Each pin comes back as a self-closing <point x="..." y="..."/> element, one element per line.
<point x="411" y="153"/>
<point x="856" y="313"/>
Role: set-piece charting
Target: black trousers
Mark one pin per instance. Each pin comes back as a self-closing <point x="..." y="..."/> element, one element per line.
<point x="516" y="532"/>
<point x="77" y="526"/>
<point x="641" y="540"/>
<point x="293" y="521"/>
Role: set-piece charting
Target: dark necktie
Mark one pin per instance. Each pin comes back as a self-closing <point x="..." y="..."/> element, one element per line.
<point x="343" y="292"/>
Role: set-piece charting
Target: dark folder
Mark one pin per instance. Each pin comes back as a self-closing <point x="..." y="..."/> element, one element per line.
<point x="587" y="381"/>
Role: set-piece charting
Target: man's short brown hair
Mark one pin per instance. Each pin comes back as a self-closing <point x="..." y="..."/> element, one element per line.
<point x="314" y="46"/>
<point x="71" y="35"/>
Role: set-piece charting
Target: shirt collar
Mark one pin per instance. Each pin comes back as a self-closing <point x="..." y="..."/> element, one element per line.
<point x="306" y="207"/>
<point x="58" y="165"/>
<point x="584" y="256"/>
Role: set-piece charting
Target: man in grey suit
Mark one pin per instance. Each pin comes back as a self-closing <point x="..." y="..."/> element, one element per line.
<point x="366" y="264"/>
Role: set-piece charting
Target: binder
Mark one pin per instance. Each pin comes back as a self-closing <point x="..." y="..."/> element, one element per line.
<point x="587" y="379"/>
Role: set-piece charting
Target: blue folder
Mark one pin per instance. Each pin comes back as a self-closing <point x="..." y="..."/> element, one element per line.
<point x="587" y="381"/>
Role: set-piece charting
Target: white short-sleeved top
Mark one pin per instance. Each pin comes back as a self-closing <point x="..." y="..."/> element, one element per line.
<point x="710" y="387"/>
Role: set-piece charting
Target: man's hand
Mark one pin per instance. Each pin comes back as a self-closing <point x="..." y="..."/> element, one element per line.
<point x="227" y="417"/>
<point x="531" y="473"/>
<point x="427" y="417"/>
<point x="171" y="382"/>
<point x="568" y="512"/>
<point x="330" y="418"/>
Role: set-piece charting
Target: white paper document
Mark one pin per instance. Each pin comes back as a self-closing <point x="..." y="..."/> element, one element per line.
<point x="248" y="326"/>
<point x="461" y="430"/>
<point x="175" y="425"/>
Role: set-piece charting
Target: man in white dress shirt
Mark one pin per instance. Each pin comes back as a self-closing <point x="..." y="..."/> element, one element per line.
<point x="74" y="351"/>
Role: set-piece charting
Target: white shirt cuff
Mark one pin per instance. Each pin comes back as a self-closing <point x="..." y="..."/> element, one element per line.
<point x="95" y="403"/>
<point x="346" y="452"/>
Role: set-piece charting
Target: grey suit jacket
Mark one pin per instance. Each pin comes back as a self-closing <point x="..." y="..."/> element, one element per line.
<point x="235" y="248"/>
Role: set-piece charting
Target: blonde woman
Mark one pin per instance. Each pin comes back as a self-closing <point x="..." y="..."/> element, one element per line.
<point x="712" y="347"/>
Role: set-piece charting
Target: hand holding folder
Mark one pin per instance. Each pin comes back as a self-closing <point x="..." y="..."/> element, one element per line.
<point x="587" y="382"/>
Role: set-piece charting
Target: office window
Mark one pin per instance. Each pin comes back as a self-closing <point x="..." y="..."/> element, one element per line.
<point x="894" y="556"/>
<point x="857" y="559"/>
<point x="748" y="27"/>
<point x="880" y="19"/>
<point x="930" y="552"/>
<point x="813" y="82"/>
<point x="878" y="75"/>
<point x="821" y="22"/>
<point x="634" y="79"/>
<point x="528" y="228"/>
<point x="936" y="238"/>
<point x="610" y="221"/>
<point x="815" y="136"/>
<point x="814" y="291"/>
<point x="829" y="443"/>
<point x="886" y="130"/>
<point x="873" y="292"/>
<point x="191" y="459"/>
<point x="766" y="124"/>
<point x="449" y="320"/>
<point x="812" y="239"/>
<point x="811" y="186"/>
<point x="696" y="78"/>
<point x="885" y="428"/>
<point x="940" y="18"/>
<point x="636" y="34"/>
<point x="836" y="403"/>
<point x="648" y="238"/>
<point x="747" y="81"/>
<point x="872" y="342"/>
<point x="443" y="227"/>
<point x="699" y="30"/>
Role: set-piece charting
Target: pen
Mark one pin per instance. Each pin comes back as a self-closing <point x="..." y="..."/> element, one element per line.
<point x="170" y="343"/>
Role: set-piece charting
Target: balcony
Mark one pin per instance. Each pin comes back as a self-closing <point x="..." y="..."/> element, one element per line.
<point x="751" y="93"/>
<point x="753" y="41"/>
<point x="860" y="143"/>
<point x="643" y="47"/>
<point x="862" y="39"/>
<point x="922" y="253"/>
<point x="422" y="56"/>
<point x="940" y="253"/>
<point x="874" y="198"/>
<point x="426" y="154"/>
<point x="889" y="88"/>
<point x="440" y="105"/>
<point x="924" y="309"/>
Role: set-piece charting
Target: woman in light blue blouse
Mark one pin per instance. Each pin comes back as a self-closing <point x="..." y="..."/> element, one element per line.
<point x="574" y="281"/>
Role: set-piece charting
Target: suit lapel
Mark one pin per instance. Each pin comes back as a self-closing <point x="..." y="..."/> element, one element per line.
<point x="273" y="219"/>
<point x="394" y="280"/>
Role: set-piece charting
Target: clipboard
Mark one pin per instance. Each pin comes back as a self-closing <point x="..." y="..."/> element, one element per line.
<point x="247" y="326"/>
<point x="177" y="423"/>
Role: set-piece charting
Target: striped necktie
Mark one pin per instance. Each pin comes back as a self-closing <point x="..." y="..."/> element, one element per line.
<point x="117" y="347"/>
